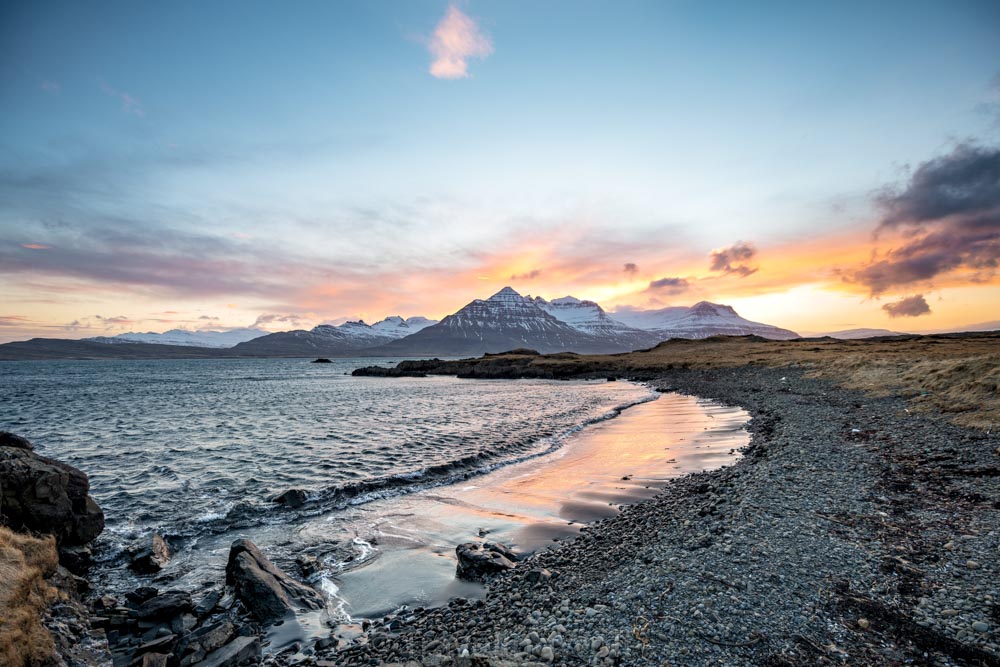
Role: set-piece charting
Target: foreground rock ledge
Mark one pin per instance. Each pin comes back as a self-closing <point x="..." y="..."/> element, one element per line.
<point x="42" y="495"/>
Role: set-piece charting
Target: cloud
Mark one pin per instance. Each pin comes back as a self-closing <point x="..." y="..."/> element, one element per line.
<point x="631" y="269"/>
<point x="529" y="275"/>
<point x="13" y="320"/>
<point x="734" y="259"/>
<point x="456" y="39"/>
<point x="35" y="246"/>
<point x="130" y="104"/>
<point x="669" y="285"/>
<point x="273" y="318"/>
<point x="946" y="219"/>
<point x="911" y="306"/>
<point x="116" y="322"/>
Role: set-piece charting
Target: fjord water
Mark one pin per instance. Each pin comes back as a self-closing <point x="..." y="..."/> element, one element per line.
<point x="397" y="470"/>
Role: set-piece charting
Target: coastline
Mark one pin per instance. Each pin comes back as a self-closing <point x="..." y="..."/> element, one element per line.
<point x="853" y="530"/>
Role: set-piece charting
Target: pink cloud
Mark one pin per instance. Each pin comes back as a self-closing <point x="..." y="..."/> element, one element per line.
<point x="35" y="246"/>
<point x="456" y="39"/>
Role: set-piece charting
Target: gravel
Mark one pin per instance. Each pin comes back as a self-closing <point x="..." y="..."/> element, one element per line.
<point x="851" y="531"/>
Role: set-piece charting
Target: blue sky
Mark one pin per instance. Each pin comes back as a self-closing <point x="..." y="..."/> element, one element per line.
<point x="312" y="140"/>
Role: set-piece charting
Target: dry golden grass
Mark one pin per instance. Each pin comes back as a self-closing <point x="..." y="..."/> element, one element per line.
<point x="955" y="374"/>
<point x="25" y="564"/>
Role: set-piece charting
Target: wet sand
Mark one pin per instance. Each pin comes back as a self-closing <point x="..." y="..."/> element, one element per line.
<point x="534" y="504"/>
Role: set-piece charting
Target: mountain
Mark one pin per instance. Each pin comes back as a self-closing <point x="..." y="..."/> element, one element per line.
<point x="856" y="334"/>
<point x="701" y="320"/>
<point x="504" y="321"/>
<point x="60" y="348"/>
<point x="397" y="327"/>
<point x="183" y="337"/>
<point x="323" y="340"/>
<point x="590" y="318"/>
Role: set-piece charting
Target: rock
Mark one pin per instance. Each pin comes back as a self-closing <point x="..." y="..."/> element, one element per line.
<point x="980" y="626"/>
<point x="538" y="575"/>
<point x="15" y="441"/>
<point x="42" y="495"/>
<point x="267" y="592"/>
<point x="166" y="605"/>
<point x="155" y="660"/>
<point x="292" y="498"/>
<point x="240" y="651"/>
<point x="864" y="623"/>
<point x="141" y="594"/>
<point x="151" y="558"/>
<point x="478" y="561"/>
<point x="77" y="558"/>
<point x="972" y="565"/>
<point x="322" y="360"/>
<point x="195" y="646"/>
<point x="158" y="645"/>
<point x="207" y="604"/>
<point x="546" y="654"/>
<point x="308" y="564"/>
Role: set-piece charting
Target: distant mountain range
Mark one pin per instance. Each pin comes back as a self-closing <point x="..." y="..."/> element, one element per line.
<point x="858" y="334"/>
<point x="183" y="337"/>
<point x="505" y="321"/>
<point x="332" y="341"/>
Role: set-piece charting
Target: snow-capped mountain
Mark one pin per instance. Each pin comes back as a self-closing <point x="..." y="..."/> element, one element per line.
<point x="397" y="327"/>
<point x="590" y="318"/>
<point x="504" y="321"/>
<point x="221" y="339"/>
<point x="701" y="320"/>
<point x="323" y="340"/>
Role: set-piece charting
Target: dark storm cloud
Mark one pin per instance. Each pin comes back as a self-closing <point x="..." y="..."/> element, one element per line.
<point x="911" y="306"/>
<point x="948" y="218"/>
<point x="734" y="259"/>
<point x="669" y="285"/>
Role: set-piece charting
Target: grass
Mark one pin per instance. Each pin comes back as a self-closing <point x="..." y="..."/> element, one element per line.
<point x="25" y="564"/>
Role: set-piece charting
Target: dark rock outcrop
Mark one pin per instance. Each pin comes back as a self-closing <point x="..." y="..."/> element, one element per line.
<point x="43" y="495"/>
<point x="165" y="606"/>
<point x="240" y="651"/>
<point x="480" y="561"/>
<point x="267" y="592"/>
<point x="292" y="498"/>
<point x="152" y="557"/>
<point x="322" y="360"/>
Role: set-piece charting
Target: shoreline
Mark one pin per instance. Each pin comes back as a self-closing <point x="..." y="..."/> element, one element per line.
<point x="824" y="543"/>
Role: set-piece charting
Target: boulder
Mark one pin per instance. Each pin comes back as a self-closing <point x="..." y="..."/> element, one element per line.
<point x="479" y="561"/>
<point x="292" y="498"/>
<point x="267" y="592"/>
<point x="42" y="495"/>
<point x="165" y="606"/>
<point x="240" y="651"/>
<point x="322" y="360"/>
<point x="204" y="640"/>
<point x="152" y="557"/>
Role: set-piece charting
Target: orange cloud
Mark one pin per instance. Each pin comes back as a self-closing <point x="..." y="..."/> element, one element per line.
<point x="35" y="246"/>
<point x="456" y="39"/>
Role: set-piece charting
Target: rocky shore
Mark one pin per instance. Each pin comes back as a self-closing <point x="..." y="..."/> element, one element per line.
<point x="853" y="531"/>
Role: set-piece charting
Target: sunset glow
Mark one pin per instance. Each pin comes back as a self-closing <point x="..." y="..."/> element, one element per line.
<point x="357" y="160"/>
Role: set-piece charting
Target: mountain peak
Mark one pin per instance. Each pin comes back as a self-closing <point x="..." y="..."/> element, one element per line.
<point x="566" y="300"/>
<point x="507" y="294"/>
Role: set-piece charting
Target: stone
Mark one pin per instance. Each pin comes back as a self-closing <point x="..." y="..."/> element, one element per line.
<point x="240" y="651"/>
<point x="267" y="592"/>
<point x="864" y="623"/>
<point x="546" y="654"/>
<point x="42" y="495"/>
<point x="155" y="660"/>
<point x="207" y="604"/>
<point x="292" y="498"/>
<point x="322" y="360"/>
<point x="538" y="575"/>
<point x="165" y="606"/>
<point x="152" y="557"/>
<point x="206" y="639"/>
<point x="980" y="626"/>
<point x="479" y="561"/>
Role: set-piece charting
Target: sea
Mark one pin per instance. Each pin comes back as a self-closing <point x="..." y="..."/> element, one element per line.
<point x="396" y="471"/>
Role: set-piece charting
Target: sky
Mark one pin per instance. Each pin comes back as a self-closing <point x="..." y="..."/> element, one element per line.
<point x="224" y="164"/>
